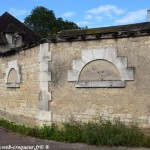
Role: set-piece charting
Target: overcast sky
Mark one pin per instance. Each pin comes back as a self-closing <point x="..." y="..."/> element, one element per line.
<point x="91" y="13"/>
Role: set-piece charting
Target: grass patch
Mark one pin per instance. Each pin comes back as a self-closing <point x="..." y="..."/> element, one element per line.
<point x="99" y="133"/>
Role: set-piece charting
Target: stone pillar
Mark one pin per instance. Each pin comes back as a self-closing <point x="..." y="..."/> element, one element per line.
<point x="44" y="114"/>
<point x="44" y="76"/>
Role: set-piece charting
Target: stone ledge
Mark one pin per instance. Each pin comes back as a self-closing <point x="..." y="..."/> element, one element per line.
<point x="100" y="84"/>
<point x="12" y="85"/>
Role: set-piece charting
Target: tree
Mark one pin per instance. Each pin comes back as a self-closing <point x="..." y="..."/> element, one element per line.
<point x="44" y="22"/>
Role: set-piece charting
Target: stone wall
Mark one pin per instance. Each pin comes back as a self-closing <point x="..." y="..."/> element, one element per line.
<point x="20" y="101"/>
<point x="85" y="80"/>
<point x="90" y="92"/>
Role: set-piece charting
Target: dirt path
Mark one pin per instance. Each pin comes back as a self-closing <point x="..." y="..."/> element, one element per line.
<point x="17" y="141"/>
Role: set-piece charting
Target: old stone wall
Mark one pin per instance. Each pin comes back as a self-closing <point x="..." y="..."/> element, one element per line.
<point x="91" y="79"/>
<point x="19" y="101"/>
<point x="86" y="80"/>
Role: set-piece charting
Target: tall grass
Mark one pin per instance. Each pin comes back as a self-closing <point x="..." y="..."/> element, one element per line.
<point x="98" y="133"/>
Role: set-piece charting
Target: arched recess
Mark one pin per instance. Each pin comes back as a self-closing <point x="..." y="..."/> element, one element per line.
<point x="12" y="78"/>
<point x="99" y="70"/>
<point x="107" y="54"/>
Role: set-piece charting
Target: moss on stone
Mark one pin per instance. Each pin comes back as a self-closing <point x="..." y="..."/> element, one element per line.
<point x="103" y="30"/>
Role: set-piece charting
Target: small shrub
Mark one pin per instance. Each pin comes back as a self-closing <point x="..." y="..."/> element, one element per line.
<point x="106" y="133"/>
<point x="50" y="132"/>
<point x="146" y="141"/>
<point x="72" y="131"/>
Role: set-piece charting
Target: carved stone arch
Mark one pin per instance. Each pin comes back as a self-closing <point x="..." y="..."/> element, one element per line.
<point x="108" y="54"/>
<point x="13" y="77"/>
<point x="99" y="69"/>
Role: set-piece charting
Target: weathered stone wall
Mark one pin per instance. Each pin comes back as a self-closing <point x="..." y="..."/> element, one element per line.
<point x="21" y="104"/>
<point x="86" y="80"/>
<point x="24" y="79"/>
<point x="130" y="102"/>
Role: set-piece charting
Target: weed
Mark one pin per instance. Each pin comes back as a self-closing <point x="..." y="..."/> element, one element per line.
<point x="97" y="133"/>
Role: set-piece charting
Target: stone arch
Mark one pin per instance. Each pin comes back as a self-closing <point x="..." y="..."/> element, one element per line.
<point x="108" y="54"/>
<point x="99" y="69"/>
<point x="13" y="77"/>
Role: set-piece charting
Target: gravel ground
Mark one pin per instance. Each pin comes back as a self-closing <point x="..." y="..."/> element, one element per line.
<point x="17" y="141"/>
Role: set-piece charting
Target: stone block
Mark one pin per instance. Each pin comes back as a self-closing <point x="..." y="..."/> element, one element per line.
<point x="110" y="53"/>
<point x="44" y="98"/>
<point x="87" y="56"/>
<point x="44" y="86"/>
<point x="45" y="56"/>
<point x="127" y="74"/>
<point x="44" y="116"/>
<point x="100" y="84"/>
<point x="44" y="47"/>
<point x="12" y="85"/>
<point x="11" y="64"/>
<point x="44" y="76"/>
<point x="78" y="65"/>
<point x="43" y="66"/>
<point x="121" y="62"/>
<point x="73" y="75"/>
<point x="98" y="53"/>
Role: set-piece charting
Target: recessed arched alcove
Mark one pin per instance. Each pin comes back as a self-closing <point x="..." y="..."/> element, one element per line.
<point x="99" y="70"/>
<point x="12" y="76"/>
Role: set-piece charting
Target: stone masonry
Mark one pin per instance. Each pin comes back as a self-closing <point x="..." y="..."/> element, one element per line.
<point x="128" y="101"/>
<point x="86" y="80"/>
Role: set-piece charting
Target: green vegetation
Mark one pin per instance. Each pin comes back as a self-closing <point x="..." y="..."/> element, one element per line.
<point x="44" y="22"/>
<point x="98" y="133"/>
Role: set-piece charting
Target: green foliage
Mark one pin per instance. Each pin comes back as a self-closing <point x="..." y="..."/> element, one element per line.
<point x="106" y="133"/>
<point x="72" y="131"/>
<point x="98" y="133"/>
<point x="14" y="127"/>
<point x="51" y="132"/>
<point x="146" y="141"/>
<point x="44" y="22"/>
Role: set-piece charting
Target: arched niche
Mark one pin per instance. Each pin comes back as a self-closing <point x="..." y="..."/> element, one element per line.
<point x="12" y="78"/>
<point x="106" y="54"/>
<point x="99" y="70"/>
